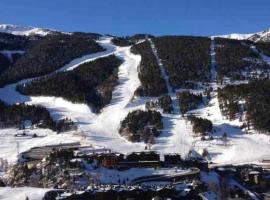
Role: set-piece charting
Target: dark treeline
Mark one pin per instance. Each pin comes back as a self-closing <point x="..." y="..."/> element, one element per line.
<point x="14" y="42"/>
<point x="15" y="115"/>
<point x="141" y="126"/>
<point x="256" y="96"/>
<point x="122" y="41"/>
<point x="51" y="53"/>
<point x="4" y="63"/>
<point x="130" y="40"/>
<point x="230" y="58"/>
<point x="140" y="36"/>
<point x="90" y="83"/>
<point x="188" y="101"/>
<point x="94" y="36"/>
<point x="263" y="47"/>
<point x="152" y="83"/>
<point x="184" y="58"/>
<point x="200" y="125"/>
<point x="165" y="102"/>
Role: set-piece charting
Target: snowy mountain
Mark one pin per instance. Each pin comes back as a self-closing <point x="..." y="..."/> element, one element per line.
<point x="124" y="99"/>
<point x="263" y="36"/>
<point x="24" y="30"/>
<point x="236" y="36"/>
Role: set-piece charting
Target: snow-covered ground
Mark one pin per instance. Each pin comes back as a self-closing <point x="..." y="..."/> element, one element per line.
<point x="239" y="147"/>
<point x="112" y="176"/>
<point x="96" y="129"/>
<point x="102" y="129"/>
<point x="21" y="193"/>
<point x="175" y="137"/>
<point x="11" y="145"/>
<point x="236" y="36"/>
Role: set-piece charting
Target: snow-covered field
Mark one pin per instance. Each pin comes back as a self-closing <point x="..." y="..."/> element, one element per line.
<point x="21" y="193"/>
<point x="11" y="145"/>
<point x="112" y="176"/>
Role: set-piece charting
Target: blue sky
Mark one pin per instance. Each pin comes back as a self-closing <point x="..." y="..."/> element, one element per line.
<point x="124" y="17"/>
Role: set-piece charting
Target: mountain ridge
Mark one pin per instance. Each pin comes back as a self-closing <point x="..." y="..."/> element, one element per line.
<point x="262" y="36"/>
<point x="24" y="30"/>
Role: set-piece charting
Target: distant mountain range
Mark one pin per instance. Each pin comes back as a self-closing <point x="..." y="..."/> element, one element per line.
<point x="24" y="30"/>
<point x="263" y="36"/>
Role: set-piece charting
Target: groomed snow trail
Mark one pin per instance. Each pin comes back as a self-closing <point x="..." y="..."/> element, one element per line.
<point x="175" y="137"/>
<point x="96" y="129"/>
<point x="213" y="61"/>
<point x="239" y="147"/>
<point x="57" y="106"/>
<point x="102" y="129"/>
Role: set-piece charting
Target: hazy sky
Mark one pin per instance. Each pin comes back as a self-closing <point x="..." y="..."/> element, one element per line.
<point x="124" y="17"/>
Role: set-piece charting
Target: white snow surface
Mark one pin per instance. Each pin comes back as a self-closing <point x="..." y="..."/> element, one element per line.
<point x="236" y="36"/>
<point x="175" y="137"/>
<point x="9" y="148"/>
<point x="23" y="30"/>
<point x="240" y="147"/>
<point x="262" y="36"/>
<point x="112" y="176"/>
<point x="21" y="193"/>
<point x="98" y="129"/>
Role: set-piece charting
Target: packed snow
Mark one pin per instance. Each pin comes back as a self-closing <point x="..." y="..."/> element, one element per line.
<point x="112" y="176"/>
<point x="10" y="145"/>
<point x="175" y="137"/>
<point x="21" y="193"/>
<point x="239" y="147"/>
<point x="99" y="129"/>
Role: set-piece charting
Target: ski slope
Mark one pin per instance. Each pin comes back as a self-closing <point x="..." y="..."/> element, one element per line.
<point x="175" y="137"/>
<point x="239" y="147"/>
<point x="102" y="129"/>
<point x="97" y="129"/>
<point x="58" y="108"/>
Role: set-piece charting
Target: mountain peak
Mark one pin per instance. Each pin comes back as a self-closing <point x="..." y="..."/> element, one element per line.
<point x="263" y="36"/>
<point x="23" y="30"/>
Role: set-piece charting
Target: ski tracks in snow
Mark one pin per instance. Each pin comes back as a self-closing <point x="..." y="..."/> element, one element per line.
<point x="175" y="137"/>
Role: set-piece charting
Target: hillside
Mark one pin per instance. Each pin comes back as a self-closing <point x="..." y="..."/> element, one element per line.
<point x="171" y="94"/>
